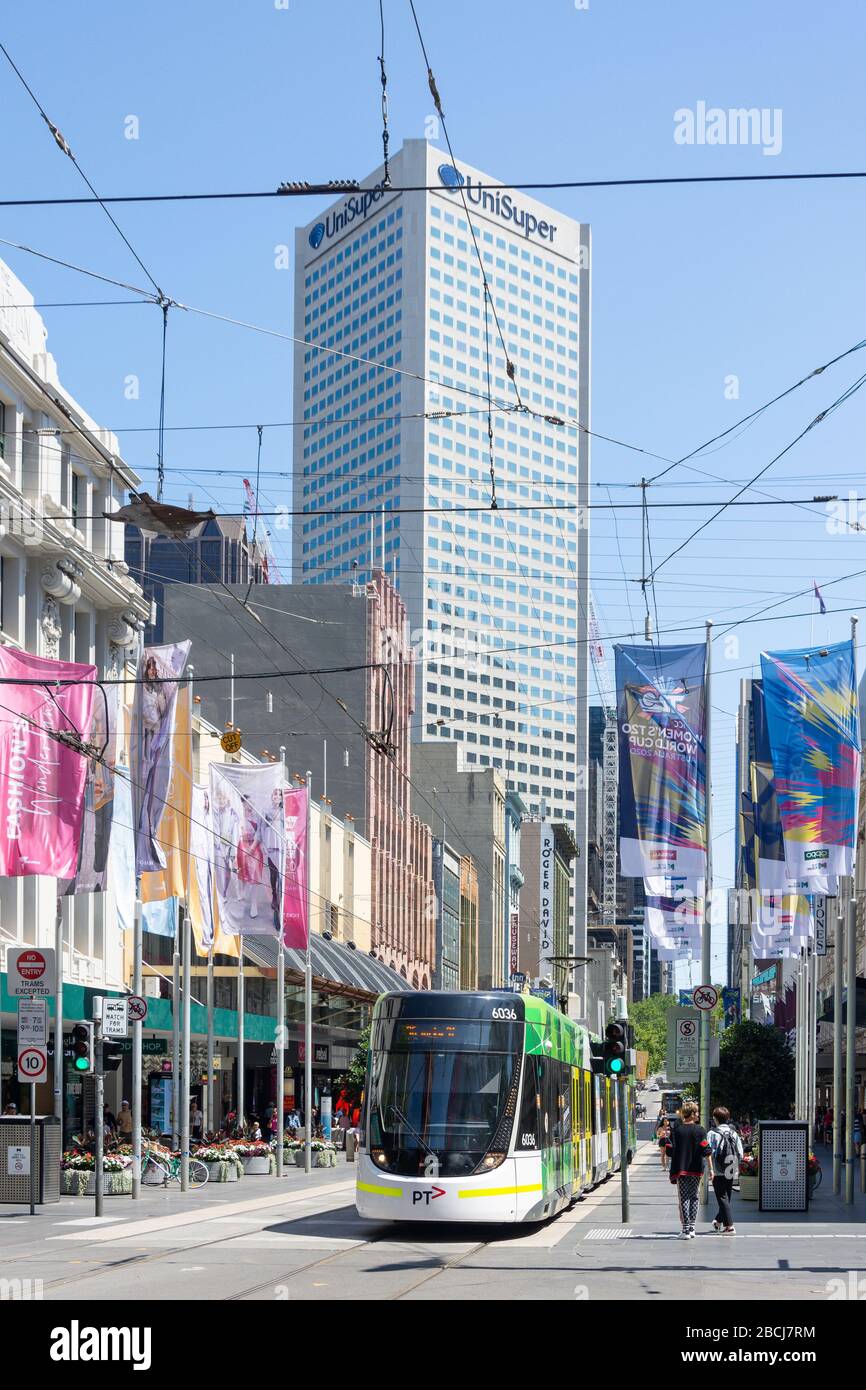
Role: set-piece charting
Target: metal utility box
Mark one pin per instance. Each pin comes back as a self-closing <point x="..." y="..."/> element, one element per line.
<point x="17" y="1162"/>
<point x="783" y="1178"/>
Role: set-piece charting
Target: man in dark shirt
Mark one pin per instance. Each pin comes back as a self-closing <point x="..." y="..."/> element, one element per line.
<point x="688" y="1150"/>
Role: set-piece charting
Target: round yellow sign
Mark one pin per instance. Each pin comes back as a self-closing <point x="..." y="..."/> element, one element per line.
<point x="231" y="741"/>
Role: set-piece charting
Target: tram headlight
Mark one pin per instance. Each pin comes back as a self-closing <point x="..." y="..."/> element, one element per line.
<point x="490" y="1160"/>
<point x="379" y="1156"/>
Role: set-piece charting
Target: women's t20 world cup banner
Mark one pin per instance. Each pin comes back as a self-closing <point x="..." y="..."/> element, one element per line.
<point x="810" y="700"/>
<point x="661" y="716"/>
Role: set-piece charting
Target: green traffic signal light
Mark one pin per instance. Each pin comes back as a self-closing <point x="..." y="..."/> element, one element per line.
<point x="82" y="1047"/>
<point x="616" y="1064"/>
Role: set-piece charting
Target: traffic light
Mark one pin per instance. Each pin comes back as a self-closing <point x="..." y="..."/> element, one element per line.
<point x="82" y="1047"/>
<point x="615" y="1048"/>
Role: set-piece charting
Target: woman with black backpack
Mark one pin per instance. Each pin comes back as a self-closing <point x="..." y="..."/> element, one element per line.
<point x="727" y="1150"/>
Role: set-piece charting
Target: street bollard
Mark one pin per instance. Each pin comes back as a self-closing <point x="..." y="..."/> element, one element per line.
<point x="863" y="1167"/>
<point x="350" y="1146"/>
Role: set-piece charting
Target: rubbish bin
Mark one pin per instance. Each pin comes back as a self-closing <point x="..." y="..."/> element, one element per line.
<point x="350" y="1145"/>
<point x="16" y="1159"/>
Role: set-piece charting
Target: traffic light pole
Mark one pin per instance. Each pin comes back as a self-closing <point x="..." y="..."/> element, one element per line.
<point x="98" y="1103"/>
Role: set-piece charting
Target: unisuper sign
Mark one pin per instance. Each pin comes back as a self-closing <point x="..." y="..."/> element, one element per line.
<point x="493" y="200"/>
<point x="499" y="203"/>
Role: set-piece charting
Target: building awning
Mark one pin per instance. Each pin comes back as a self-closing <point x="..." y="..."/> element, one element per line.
<point x="827" y="1014"/>
<point x="333" y="962"/>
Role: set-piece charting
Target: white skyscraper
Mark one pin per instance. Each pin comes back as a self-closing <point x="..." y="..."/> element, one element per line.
<point x="497" y="598"/>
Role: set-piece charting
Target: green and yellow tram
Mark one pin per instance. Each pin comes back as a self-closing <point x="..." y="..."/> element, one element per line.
<point x="483" y="1107"/>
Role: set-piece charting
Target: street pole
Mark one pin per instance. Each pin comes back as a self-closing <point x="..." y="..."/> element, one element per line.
<point x="800" y="1034"/>
<point x="136" y="1048"/>
<point x="241" y="1005"/>
<point x="706" y="932"/>
<point x="838" y="950"/>
<point x="850" y="1050"/>
<point x="281" y="1007"/>
<point x="851" y="1012"/>
<point x="210" y="1041"/>
<point x="308" y="989"/>
<point x="175" y="1047"/>
<point x="59" y="1058"/>
<point x="98" y="1103"/>
<point x="184" y="1066"/>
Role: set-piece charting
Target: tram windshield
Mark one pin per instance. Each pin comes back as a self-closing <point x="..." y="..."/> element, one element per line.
<point x="439" y="1087"/>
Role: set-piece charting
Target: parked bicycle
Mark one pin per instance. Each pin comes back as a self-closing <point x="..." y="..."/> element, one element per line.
<point x="170" y="1168"/>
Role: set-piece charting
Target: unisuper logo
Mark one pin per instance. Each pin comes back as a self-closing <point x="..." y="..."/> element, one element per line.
<point x="495" y="201"/>
<point x="355" y="209"/>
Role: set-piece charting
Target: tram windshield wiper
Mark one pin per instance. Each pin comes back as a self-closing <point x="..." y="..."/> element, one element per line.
<point x="395" y="1110"/>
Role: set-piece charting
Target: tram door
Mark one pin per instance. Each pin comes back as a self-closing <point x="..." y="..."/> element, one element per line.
<point x="587" y="1129"/>
<point x="576" y="1131"/>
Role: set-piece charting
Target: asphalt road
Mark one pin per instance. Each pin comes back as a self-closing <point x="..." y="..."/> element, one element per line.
<point x="301" y="1239"/>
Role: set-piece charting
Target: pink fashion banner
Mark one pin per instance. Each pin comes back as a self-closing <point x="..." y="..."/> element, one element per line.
<point x="41" y="779"/>
<point x="247" y="820"/>
<point x="296" y="924"/>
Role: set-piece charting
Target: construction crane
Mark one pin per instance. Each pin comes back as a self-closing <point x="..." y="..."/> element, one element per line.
<point x="609" y="770"/>
<point x="270" y="568"/>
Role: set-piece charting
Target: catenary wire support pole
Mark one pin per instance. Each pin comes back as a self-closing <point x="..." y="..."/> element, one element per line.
<point x="209" y="1116"/>
<point x="851" y="1011"/>
<point x="184" y="1066"/>
<point x="281" y="1010"/>
<point x="851" y="1051"/>
<point x="59" y="1058"/>
<point x="838" y="954"/>
<point x="241" y="1038"/>
<point x="799" y="1032"/>
<point x="175" y="1047"/>
<point x="136" y="1047"/>
<point x="706" y="934"/>
<point x="308" y="1001"/>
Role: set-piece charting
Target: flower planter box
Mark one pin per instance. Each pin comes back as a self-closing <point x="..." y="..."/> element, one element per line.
<point x="259" y="1163"/>
<point x="222" y="1171"/>
<point x="79" y="1182"/>
<point x="153" y="1177"/>
<point x="749" y="1187"/>
<point x="322" y="1158"/>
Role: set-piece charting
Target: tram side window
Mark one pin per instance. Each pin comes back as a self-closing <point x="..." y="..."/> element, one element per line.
<point x="527" y="1124"/>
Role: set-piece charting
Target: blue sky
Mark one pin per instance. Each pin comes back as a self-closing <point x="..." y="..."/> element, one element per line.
<point x="691" y="286"/>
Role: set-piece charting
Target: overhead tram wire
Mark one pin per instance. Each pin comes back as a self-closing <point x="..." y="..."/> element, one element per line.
<point x="817" y="420"/>
<point x="62" y="144"/>
<point x="531" y="507"/>
<point x="753" y="415"/>
<point x="329" y="188"/>
<point x="460" y="390"/>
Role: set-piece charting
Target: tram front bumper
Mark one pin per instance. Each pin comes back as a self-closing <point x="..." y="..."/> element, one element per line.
<point x="501" y="1195"/>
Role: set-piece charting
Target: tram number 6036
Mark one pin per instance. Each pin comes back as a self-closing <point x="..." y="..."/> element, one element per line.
<point x="527" y="1141"/>
<point x="504" y="1013"/>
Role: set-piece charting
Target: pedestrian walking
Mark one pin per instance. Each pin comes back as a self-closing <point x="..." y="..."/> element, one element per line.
<point x="688" y="1151"/>
<point x="726" y="1148"/>
<point x="124" y="1121"/>
<point x="663" y="1133"/>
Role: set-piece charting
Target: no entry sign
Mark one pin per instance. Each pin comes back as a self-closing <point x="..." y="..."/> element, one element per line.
<point x="30" y="971"/>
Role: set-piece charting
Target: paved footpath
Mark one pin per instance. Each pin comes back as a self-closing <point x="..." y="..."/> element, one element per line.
<point x="299" y="1238"/>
